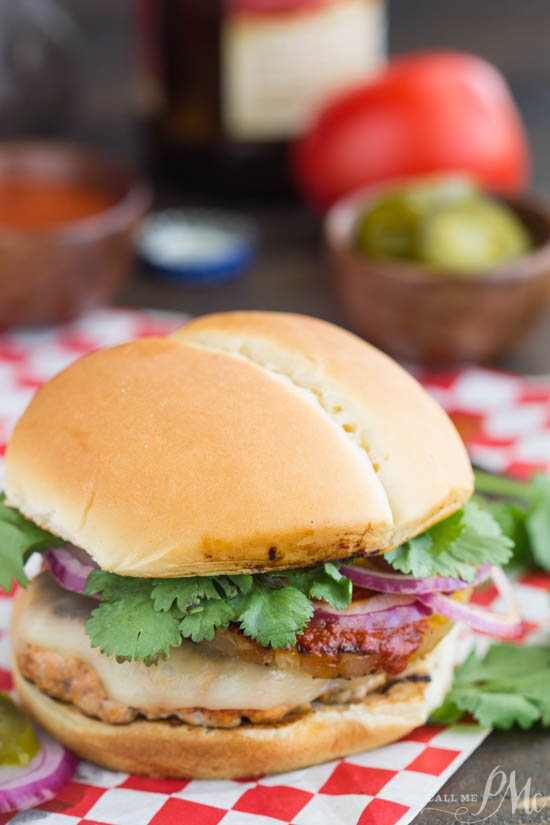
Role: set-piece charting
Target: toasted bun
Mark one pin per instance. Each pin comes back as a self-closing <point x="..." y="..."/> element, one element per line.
<point x="247" y="441"/>
<point x="162" y="749"/>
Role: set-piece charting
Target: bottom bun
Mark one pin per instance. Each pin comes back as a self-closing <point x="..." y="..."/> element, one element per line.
<point x="184" y="751"/>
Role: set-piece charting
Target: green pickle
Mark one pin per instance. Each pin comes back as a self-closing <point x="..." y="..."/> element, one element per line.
<point x="445" y="222"/>
<point x="477" y="234"/>
<point x="18" y="742"/>
<point x="389" y="227"/>
<point x="440" y="190"/>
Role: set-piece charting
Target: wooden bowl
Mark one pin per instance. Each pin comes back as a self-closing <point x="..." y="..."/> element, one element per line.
<point x="417" y="314"/>
<point x="51" y="274"/>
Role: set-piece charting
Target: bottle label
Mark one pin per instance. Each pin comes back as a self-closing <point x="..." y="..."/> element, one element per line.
<point x="281" y="58"/>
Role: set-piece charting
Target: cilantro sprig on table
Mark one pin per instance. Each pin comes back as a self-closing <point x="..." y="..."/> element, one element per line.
<point x="522" y="510"/>
<point x="507" y="686"/>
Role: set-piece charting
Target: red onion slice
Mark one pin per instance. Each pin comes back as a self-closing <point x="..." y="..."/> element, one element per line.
<point x="70" y="566"/>
<point x="44" y="777"/>
<point x="378" y="613"/>
<point x="382" y="601"/>
<point x="400" y="583"/>
<point x="505" y="626"/>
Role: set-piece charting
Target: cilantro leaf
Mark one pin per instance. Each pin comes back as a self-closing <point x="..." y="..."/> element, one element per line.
<point x="244" y="581"/>
<point x="113" y="587"/>
<point x="481" y="538"/>
<point x="447" y="713"/>
<point x="273" y="616"/>
<point x="201" y="622"/>
<point x="499" y="710"/>
<point x="413" y="556"/>
<point x="537" y="521"/>
<point x="511" y="519"/>
<point x="507" y="686"/>
<point x="192" y="591"/>
<point x="227" y="587"/>
<point x="447" y="531"/>
<point x="455" y="546"/>
<point x="186" y="592"/>
<point x="11" y="557"/>
<point x="168" y="609"/>
<point x="19" y="538"/>
<point x="332" y="586"/>
<point x="523" y="511"/>
<point x="324" y="582"/>
<point x="132" y="629"/>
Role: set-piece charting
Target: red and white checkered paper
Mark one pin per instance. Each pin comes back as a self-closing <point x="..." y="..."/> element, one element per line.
<point x="506" y="423"/>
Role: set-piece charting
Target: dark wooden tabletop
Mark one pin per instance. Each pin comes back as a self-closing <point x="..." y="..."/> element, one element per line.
<point x="291" y="271"/>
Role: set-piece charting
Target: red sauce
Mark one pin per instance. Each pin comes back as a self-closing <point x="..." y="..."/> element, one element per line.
<point x="27" y="203"/>
<point x="391" y="648"/>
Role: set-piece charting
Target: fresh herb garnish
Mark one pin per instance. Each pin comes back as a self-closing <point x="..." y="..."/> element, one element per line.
<point x="454" y="547"/>
<point x="506" y="686"/>
<point x="140" y="619"/>
<point x="522" y="510"/>
<point x="129" y="628"/>
<point x="270" y="607"/>
<point x="325" y="582"/>
<point x="19" y="539"/>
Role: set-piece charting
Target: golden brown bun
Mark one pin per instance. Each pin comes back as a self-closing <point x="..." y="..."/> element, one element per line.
<point x="162" y="749"/>
<point x="248" y="441"/>
<point x="412" y="444"/>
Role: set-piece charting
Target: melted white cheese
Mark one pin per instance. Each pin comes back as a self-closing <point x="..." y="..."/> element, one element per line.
<point x="192" y="676"/>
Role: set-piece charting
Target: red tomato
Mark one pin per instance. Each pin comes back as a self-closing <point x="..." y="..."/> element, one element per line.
<point x="427" y="112"/>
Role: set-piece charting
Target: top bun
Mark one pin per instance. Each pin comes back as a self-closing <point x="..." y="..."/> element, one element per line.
<point x="247" y="441"/>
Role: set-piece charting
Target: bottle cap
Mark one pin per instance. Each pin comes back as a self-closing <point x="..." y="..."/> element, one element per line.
<point x="201" y="246"/>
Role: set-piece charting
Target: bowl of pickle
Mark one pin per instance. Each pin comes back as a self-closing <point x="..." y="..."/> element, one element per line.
<point x="437" y="270"/>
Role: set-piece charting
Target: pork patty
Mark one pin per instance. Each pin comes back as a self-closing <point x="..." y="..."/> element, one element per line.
<point x="71" y="680"/>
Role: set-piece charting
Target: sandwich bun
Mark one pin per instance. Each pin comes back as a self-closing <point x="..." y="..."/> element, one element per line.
<point x="161" y="748"/>
<point x="247" y="441"/>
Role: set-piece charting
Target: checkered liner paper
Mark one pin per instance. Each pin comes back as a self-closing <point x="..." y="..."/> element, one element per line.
<point x="505" y="421"/>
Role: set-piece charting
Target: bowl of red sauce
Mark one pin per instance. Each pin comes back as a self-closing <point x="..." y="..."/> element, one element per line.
<point x="68" y="224"/>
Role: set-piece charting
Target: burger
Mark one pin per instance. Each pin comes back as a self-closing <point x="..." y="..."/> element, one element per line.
<point x="256" y="535"/>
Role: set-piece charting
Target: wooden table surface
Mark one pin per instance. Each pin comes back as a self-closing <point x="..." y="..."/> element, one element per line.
<point x="291" y="272"/>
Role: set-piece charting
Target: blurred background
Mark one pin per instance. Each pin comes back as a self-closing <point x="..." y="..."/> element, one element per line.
<point x="226" y="112"/>
<point x="512" y="35"/>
